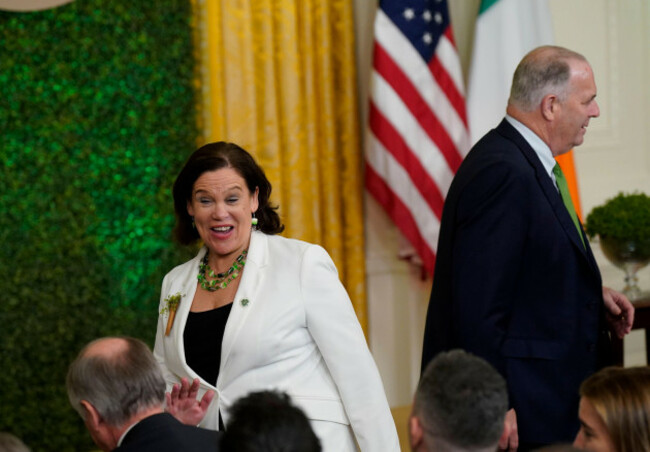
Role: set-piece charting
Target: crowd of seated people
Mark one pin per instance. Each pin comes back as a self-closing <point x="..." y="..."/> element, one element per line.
<point x="459" y="405"/>
<point x="461" y="402"/>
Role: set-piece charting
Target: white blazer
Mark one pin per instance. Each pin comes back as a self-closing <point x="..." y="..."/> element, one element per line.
<point x="292" y="328"/>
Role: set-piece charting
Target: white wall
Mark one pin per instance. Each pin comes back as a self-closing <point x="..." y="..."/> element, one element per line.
<point x="614" y="36"/>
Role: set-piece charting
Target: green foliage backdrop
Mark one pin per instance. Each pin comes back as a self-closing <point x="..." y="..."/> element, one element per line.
<point x="97" y="114"/>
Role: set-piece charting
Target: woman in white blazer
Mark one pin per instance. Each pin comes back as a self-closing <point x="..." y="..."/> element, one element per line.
<point x="255" y="311"/>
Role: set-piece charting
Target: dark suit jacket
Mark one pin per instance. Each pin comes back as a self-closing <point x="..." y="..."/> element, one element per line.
<point x="514" y="284"/>
<point x="163" y="433"/>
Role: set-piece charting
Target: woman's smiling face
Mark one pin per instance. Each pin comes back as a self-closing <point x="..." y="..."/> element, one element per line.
<point x="221" y="205"/>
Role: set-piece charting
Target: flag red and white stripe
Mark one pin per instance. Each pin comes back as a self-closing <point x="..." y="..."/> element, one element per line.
<point x="418" y="132"/>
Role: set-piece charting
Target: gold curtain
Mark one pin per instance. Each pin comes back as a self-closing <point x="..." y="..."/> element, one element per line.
<point x="278" y="78"/>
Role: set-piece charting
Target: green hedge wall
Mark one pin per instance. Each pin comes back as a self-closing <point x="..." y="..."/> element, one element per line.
<point x="97" y="115"/>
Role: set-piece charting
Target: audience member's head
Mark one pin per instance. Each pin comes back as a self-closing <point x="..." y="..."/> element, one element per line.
<point x="267" y="421"/>
<point x="460" y="405"/>
<point x="10" y="443"/>
<point x="615" y="410"/>
<point x="113" y="383"/>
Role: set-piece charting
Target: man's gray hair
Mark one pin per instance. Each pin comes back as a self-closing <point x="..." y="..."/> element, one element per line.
<point x="461" y="402"/>
<point x="118" y="385"/>
<point x="544" y="70"/>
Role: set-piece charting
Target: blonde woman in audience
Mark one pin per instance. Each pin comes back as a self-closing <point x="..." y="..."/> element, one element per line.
<point x="615" y="411"/>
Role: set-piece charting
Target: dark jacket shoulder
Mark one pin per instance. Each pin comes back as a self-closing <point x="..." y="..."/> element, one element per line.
<point x="164" y="433"/>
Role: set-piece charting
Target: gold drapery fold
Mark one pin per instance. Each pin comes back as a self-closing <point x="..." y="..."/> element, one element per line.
<point x="278" y="78"/>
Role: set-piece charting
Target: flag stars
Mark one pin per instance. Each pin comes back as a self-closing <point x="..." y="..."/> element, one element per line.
<point x="426" y="15"/>
<point x="427" y="38"/>
<point x="409" y="14"/>
<point x="438" y="18"/>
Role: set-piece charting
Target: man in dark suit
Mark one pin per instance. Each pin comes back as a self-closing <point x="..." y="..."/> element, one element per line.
<point x="118" y="389"/>
<point x="515" y="280"/>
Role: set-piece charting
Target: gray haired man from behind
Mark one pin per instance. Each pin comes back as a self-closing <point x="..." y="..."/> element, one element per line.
<point x="460" y="405"/>
<point x="117" y="387"/>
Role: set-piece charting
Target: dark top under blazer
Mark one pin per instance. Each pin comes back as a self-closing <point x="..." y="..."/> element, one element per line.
<point x="514" y="284"/>
<point x="163" y="433"/>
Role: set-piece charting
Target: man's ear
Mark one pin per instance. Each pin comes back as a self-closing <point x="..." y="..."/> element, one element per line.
<point x="416" y="433"/>
<point x="549" y="106"/>
<point x="92" y="418"/>
<point x="104" y="435"/>
<point x="505" y="433"/>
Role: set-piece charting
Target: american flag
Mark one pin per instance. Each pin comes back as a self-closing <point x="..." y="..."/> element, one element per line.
<point x="418" y="132"/>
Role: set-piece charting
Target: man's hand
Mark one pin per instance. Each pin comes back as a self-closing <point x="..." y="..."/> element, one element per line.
<point x="510" y="437"/>
<point x="620" y="312"/>
<point x="182" y="403"/>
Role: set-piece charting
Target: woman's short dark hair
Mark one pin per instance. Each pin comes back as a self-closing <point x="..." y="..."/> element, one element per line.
<point x="214" y="156"/>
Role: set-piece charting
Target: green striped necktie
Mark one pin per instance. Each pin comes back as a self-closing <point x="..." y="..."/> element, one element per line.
<point x="566" y="198"/>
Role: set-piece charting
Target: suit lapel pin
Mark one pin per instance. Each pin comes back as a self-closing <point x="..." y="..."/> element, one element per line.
<point x="244" y="302"/>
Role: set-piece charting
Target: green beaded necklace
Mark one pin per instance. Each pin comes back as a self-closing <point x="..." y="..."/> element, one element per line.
<point x="221" y="280"/>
